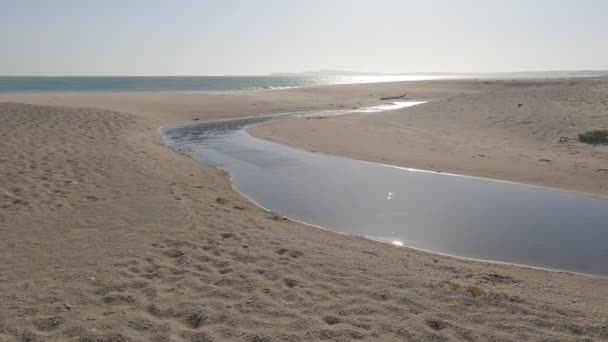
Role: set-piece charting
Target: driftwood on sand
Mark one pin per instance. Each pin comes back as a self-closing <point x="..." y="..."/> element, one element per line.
<point x="393" y="97"/>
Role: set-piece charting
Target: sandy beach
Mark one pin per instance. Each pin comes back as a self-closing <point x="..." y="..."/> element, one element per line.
<point x="108" y="235"/>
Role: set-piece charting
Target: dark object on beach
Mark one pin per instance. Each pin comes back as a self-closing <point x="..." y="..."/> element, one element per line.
<point x="519" y="105"/>
<point x="277" y="217"/>
<point x="595" y="137"/>
<point x="195" y="119"/>
<point x="563" y="140"/>
<point x="331" y="320"/>
<point x="393" y="97"/>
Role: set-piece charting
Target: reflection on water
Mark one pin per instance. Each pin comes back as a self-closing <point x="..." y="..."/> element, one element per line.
<point x="463" y="216"/>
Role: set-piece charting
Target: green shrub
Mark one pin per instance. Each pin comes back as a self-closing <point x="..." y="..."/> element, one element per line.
<point x="595" y="137"/>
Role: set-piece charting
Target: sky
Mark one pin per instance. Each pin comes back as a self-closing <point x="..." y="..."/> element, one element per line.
<point x="251" y="37"/>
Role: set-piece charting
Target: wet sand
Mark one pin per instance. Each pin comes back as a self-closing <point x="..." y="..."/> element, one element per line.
<point x="108" y="235"/>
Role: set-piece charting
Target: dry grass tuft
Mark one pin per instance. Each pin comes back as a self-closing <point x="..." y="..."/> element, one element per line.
<point x="478" y="291"/>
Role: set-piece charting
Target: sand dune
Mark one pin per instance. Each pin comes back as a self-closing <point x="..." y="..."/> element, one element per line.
<point x="107" y="235"/>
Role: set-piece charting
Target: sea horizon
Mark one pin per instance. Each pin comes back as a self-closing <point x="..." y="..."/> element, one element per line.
<point x="44" y="83"/>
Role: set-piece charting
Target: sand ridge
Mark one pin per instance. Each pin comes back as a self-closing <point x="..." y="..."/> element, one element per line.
<point x="108" y="235"/>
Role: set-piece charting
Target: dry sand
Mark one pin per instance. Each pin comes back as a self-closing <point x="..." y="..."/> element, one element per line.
<point x="107" y="235"/>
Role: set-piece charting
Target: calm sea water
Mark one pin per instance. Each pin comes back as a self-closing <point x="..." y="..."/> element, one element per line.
<point x="228" y="83"/>
<point x="189" y="83"/>
<point x="464" y="216"/>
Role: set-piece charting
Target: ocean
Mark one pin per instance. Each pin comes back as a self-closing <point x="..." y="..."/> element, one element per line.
<point x="187" y="83"/>
<point x="233" y="83"/>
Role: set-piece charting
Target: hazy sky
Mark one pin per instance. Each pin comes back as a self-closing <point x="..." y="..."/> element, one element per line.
<point x="197" y="37"/>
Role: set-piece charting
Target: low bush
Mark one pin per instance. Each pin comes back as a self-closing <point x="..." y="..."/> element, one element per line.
<point x="595" y="137"/>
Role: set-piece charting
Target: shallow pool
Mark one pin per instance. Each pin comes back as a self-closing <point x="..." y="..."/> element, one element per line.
<point x="457" y="215"/>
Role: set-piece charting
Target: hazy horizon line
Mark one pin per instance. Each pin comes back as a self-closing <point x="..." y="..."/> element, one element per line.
<point x="326" y="72"/>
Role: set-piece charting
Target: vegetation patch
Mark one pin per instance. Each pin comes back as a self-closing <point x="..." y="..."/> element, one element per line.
<point x="478" y="291"/>
<point x="594" y="137"/>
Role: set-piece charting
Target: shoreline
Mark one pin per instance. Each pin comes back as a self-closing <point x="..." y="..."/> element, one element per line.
<point x="412" y="169"/>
